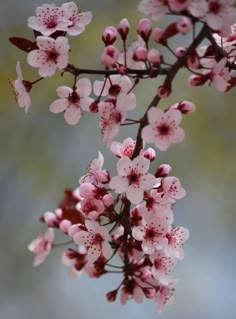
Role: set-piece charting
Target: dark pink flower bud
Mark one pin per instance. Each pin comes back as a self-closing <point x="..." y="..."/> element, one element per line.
<point x="111" y="295"/>
<point x="163" y="170"/>
<point x="164" y="91"/>
<point x="158" y="35"/>
<point x="149" y="154"/>
<point x="110" y="55"/>
<point x="186" y="107"/>
<point x="193" y="60"/>
<point x="196" y="80"/>
<point x="144" y="29"/>
<point x="154" y="56"/>
<point x="109" y="35"/>
<point x="123" y="28"/>
<point x="184" y="25"/>
<point x="93" y="107"/>
<point x="64" y="225"/>
<point x="140" y="54"/>
<point x="180" y="51"/>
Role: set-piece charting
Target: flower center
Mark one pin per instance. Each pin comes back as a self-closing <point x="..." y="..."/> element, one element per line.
<point x="215" y="7"/>
<point x="133" y="177"/>
<point x="163" y="129"/>
<point x="74" y="98"/>
<point x="52" y="56"/>
<point x="114" y="90"/>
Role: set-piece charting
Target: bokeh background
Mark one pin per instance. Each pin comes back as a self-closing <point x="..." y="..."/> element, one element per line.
<point x="41" y="155"/>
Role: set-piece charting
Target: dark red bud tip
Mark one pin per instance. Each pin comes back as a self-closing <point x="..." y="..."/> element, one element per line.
<point x="93" y="107"/>
<point x="111" y="295"/>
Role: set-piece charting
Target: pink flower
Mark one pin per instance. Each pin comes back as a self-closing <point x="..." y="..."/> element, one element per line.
<point x="176" y="238"/>
<point x="49" y="19"/>
<point x="51" y="55"/>
<point x="155" y="9"/>
<point x="164" y="296"/>
<point x="162" y="266"/>
<point x="95" y="239"/>
<point x="220" y="76"/>
<point x="163" y="128"/>
<point x="220" y="14"/>
<point x="172" y="189"/>
<point x="76" y="20"/>
<point x="133" y="178"/>
<point x="75" y="259"/>
<point x="21" y="88"/>
<point x="110" y="55"/>
<point x="112" y="116"/>
<point x="41" y="246"/>
<point x="96" y="174"/>
<point x="91" y="207"/>
<point x="152" y="233"/>
<point x="123" y="149"/>
<point x="73" y="100"/>
<point x="116" y="85"/>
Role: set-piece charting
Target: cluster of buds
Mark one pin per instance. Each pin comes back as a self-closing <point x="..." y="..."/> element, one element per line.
<point x="130" y="214"/>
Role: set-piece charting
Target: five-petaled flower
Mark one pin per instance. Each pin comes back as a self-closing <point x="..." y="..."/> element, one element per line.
<point x="51" y="55"/>
<point x="95" y="239"/>
<point x="21" y="88"/>
<point x="73" y="100"/>
<point x="133" y="178"/>
<point x="41" y="246"/>
<point x="163" y="128"/>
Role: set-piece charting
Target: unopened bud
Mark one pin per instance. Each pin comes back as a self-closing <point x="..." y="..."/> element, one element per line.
<point x="64" y="225"/>
<point x="196" y="80"/>
<point x="144" y="29"/>
<point x="123" y="28"/>
<point x="184" y="25"/>
<point x="164" y="91"/>
<point x="149" y="154"/>
<point x="110" y="55"/>
<point x="154" y="56"/>
<point x="180" y="51"/>
<point x="186" y="107"/>
<point x="111" y="295"/>
<point x="109" y="35"/>
<point x="193" y="60"/>
<point x="157" y="35"/>
<point x="163" y="170"/>
<point x="140" y="54"/>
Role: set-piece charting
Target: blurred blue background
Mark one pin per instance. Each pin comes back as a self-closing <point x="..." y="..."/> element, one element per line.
<point x="41" y="155"/>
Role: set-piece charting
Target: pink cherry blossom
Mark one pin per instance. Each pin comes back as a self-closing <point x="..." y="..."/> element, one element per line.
<point x="49" y="19"/>
<point x="228" y="44"/>
<point x="172" y="188"/>
<point x="133" y="178"/>
<point x="112" y="116"/>
<point x="91" y="207"/>
<point x="163" y="128"/>
<point x="76" y="20"/>
<point x="41" y="246"/>
<point x="95" y="239"/>
<point x="110" y="55"/>
<point x="96" y="174"/>
<point x="155" y="9"/>
<point x="123" y="149"/>
<point x="75" y="260"/>
<point x="73" y="101"/>
<point x="152" y="233"/>
<point x="164" y="296"/>
<point x="21" y="88"/>
<point x="113" y="86"/>
<point x="178" y="5"/>
<point x="131" y="289"/>
<point x="220" y="76"/>
<point x="176" y="238"/>
<point x="162" y="266"/>
<point x="51" y="55"/>
<point x="220" y="13"/>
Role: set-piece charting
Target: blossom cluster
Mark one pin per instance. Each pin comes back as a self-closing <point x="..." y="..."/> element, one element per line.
<point x="152" y="245"/>
<point x="130" y="214"/>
